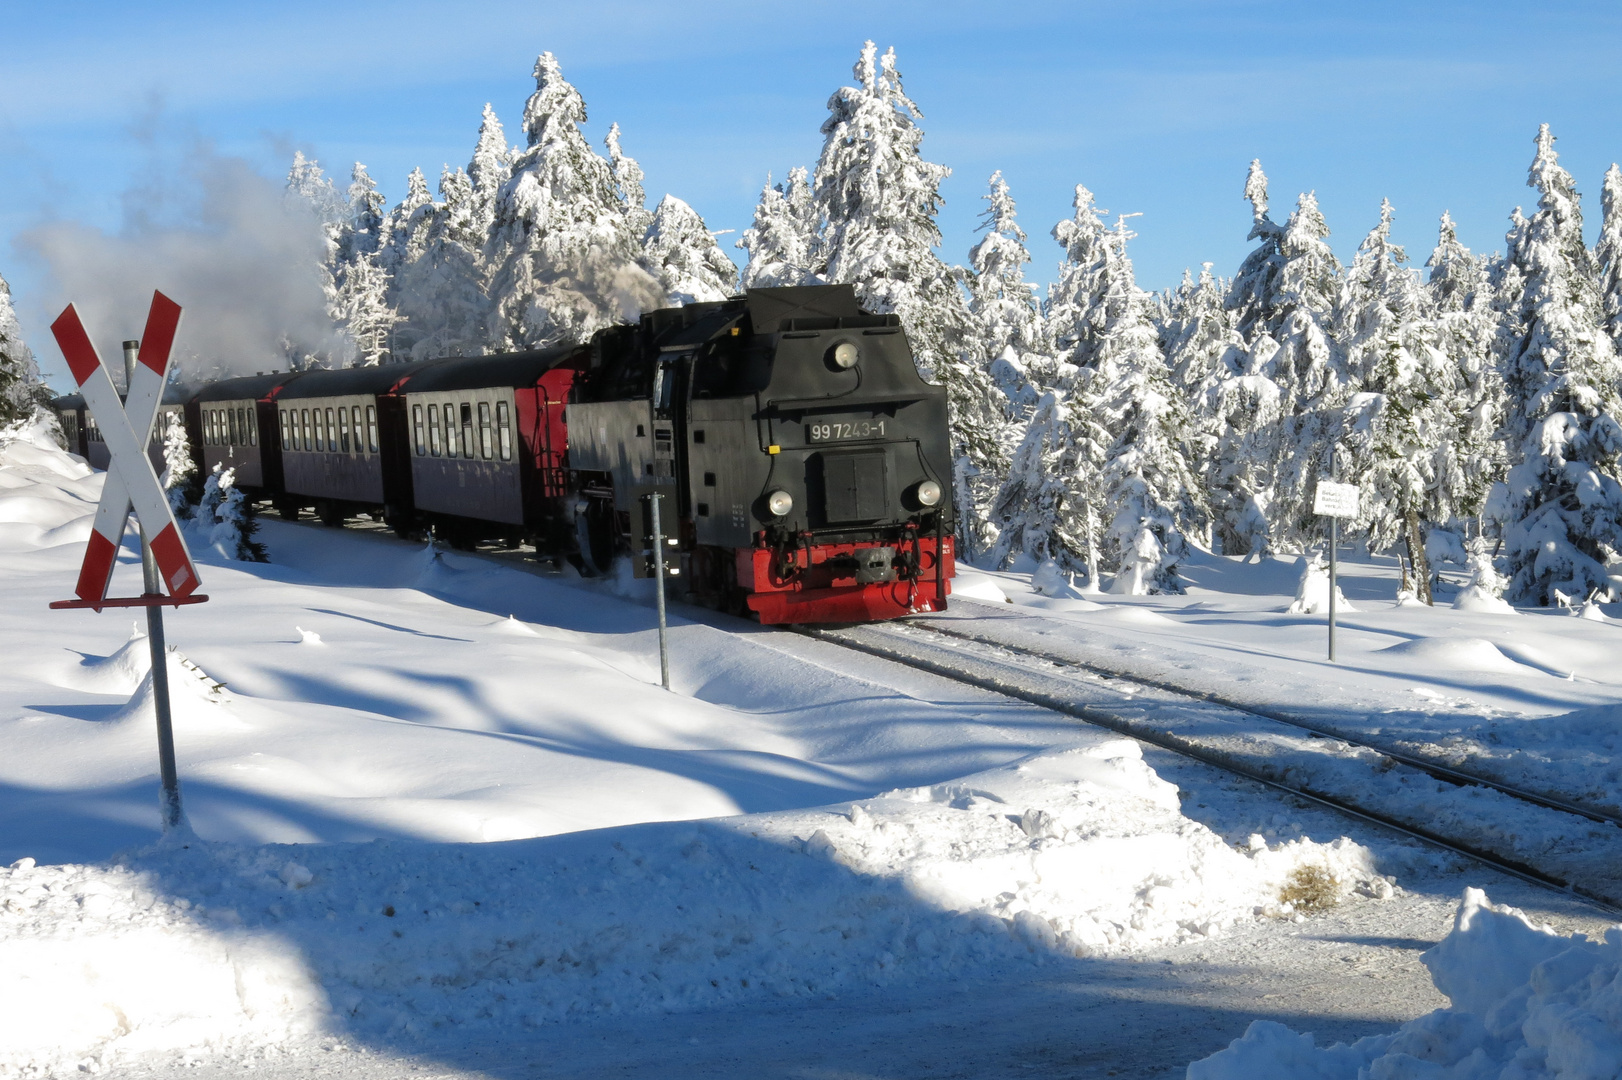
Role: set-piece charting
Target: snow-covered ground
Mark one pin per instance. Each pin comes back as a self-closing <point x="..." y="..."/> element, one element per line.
<point x="441" y="800"/>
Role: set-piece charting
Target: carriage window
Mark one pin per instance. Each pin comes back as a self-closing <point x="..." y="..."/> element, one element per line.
<point x="343" y="429"/>
<point x="287" y="431"/>
<point x="360" y="432"/>
<point x="467" y="430"/>
<point x="486" y="446"/>
<point x="304" y="427"/>
<point x="504" y="432"/>
<point x="231" y="429"/>
<point x="416" y="427"/>
<point x="450" y="430"/>
<point x="371" y="428"/>
<point x="208" y="427"/>
<point x="250" y="422"/>
<point x="318" y="430"/>
<point x="433" y="430"/>
<point x="332" y="434"/>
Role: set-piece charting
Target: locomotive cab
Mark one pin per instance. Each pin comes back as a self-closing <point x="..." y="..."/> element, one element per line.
<point x="805" y="459"/>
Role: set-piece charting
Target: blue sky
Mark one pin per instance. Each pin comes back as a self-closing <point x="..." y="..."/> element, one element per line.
<point x="1157" y="107"/>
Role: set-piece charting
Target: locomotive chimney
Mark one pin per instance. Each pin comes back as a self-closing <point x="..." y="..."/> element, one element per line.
<point x="130" y="350"/>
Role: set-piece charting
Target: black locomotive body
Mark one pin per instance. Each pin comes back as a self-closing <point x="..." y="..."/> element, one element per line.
<point x="802" y="464"/>
<point x="804" y="458"/>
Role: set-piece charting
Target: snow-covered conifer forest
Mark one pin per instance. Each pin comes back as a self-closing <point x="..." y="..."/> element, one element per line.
<point x="1099" y="427"/>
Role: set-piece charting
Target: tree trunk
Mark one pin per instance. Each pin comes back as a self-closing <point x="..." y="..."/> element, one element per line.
<point x="1417" y="560"/>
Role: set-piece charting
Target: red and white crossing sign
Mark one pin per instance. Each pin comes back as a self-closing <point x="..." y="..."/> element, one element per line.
<point x="130" y="482"/>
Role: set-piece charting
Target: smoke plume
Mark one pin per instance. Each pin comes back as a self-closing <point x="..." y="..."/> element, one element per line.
<point x="243" y="262"/>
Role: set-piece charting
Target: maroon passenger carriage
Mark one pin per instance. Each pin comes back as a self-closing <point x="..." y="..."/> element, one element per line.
<point x="488" y="446"/>
<point x="234" y="426"/>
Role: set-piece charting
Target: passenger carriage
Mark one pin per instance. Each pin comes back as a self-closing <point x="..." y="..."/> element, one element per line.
<point x="337" y="457"/>
<point x="237" y="424"/>
<point x="488" y="446"/>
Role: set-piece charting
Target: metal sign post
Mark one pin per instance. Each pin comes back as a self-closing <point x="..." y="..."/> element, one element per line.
<point x="130" y="484"/>
<point x="659" y="586"/>
<point x="1334" y="501"/>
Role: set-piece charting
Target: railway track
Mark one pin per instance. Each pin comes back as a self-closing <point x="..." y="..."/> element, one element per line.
<point x="1360" y="779"/>
<point x="1439" y="770"/>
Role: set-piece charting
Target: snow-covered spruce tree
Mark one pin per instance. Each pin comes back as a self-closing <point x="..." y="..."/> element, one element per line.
<point x="563" y="252"/>
<point x="681" y="253"/>
<point x="225" y="519"/>
<point x="1562" y="505"/>
<point x="179" y="478"/>
<point x="1048" y="508"/>
<point x="439" y="293"/>
<point x="488" y="172"/>
<point x="403" y="231"/>
<point x="628" y="179"/>
<point x="1608" y="251"/>
<point x="1007" y="317"/>
<point x="1203" y="352"/>
<point x="364" y="235"/>
<point x="1470" y="459"/>
<point x="20" y="389"/>
<point x="878" y="198"/>
<point x="1075" y="309"/>
<point x="1282" y="299"/>
<point x="1400" y="419"/>
<point x="362" y="313"/>
<point x="1198" y="335"/>
<point x="1151" y="492"/>
<point x="783" y="236"/>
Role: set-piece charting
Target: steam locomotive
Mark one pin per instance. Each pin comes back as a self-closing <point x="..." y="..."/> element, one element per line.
<point x="801" y="464"/>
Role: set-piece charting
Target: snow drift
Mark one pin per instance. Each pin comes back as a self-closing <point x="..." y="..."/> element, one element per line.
<point x="1527" y="1004"/>
<point x="224" y="948"/>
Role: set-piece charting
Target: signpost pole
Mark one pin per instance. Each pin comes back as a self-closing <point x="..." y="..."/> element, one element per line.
<point x="170" y="798"/>
<point x="1334" y="537"/>
<point x="659" y="588"/>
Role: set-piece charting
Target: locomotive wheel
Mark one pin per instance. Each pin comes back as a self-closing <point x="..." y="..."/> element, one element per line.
<point x="594" y="535"/>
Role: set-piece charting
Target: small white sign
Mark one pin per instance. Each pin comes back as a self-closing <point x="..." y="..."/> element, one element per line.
<point x="1335" y="500"/>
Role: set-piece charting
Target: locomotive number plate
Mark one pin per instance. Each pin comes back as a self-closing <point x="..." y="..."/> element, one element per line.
<point x="818" y="431"/>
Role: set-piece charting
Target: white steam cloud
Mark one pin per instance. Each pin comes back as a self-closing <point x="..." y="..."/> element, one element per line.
<point x="243" y="262"/>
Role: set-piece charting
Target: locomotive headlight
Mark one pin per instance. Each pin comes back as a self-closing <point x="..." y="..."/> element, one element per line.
<point x="929" y="493"/>
<point x="846" y="354"/>
<point x="780" y="503"/>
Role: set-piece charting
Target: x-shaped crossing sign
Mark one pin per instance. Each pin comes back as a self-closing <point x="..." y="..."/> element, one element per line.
<point x="127" y="428"/>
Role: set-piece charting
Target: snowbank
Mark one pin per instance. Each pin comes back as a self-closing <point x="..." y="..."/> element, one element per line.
<point x="46" y="494"/>
<point x="1312" y="591"/>
<point x="224" y="948"/>
<point x="1526" y="1004"/>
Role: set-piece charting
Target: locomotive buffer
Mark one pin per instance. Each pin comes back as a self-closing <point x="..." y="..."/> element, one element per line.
<point x="131" y="484"/>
